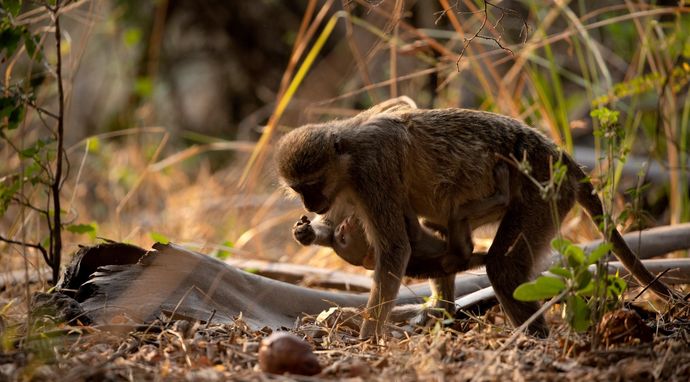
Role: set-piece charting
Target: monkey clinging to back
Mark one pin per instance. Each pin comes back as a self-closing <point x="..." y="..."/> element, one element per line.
<point x="388" y="167"/>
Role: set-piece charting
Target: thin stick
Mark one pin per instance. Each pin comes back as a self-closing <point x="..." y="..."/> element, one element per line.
<point x="56" y="234"/>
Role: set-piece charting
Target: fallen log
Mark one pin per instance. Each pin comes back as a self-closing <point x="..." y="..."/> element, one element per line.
<point x="116" y="283"/>
<point x="647" y="244"/>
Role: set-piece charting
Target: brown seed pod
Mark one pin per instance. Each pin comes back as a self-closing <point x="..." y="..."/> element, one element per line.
<point x="624" y="326"/>
<point x="283" y="352"/>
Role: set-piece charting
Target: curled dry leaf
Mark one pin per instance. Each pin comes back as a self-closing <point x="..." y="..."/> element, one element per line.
<point x="349" y="368"/>
<point x="624" y="326"/>
<point x="282" y="353"/>
<point x="348" y="317"/>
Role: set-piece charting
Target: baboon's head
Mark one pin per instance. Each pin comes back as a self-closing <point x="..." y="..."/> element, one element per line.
<point x="310" y="165"/>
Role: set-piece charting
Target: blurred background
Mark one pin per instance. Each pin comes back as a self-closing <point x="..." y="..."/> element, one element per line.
<point x="166" y="100"/>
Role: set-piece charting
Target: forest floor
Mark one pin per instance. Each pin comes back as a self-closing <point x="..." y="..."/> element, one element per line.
<point x="637" y="345"/>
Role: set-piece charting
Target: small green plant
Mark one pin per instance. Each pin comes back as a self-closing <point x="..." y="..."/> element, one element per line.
<point x="223" y="252"/>
<point x="576" y="283"/>
<point x="159" y="237"/>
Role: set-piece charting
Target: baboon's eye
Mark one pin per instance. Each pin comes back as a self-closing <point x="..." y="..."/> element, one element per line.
<point x="312" y="186"/>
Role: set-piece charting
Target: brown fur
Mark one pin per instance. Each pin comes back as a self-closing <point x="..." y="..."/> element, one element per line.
<point x="391" y="166"/>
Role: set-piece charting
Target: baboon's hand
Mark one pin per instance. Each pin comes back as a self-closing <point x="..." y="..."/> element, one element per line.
<point x="303" y="232"/>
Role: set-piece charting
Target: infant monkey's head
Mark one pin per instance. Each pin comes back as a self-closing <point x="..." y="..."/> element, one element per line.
<point x="350" y="243"/>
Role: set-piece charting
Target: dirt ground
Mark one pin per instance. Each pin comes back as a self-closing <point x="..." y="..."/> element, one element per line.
<point x="654" y="347"/>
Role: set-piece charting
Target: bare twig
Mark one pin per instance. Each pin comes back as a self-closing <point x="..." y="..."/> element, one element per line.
<point x="56" y="234"/>
<point x="27" y="204"/>
<point x="39" y="247"/>
<point x="477" y="34"/>
<point x="648" y="285"/>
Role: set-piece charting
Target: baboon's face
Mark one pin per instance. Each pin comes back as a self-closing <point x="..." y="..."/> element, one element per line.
<point x="309" y="165"/>
<point x="313" y="195"/>
<point x="320" y="188"/>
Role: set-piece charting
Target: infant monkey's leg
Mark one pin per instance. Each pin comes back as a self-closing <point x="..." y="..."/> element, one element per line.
<point x="459" y="256"/>
<point x="459" y="234"/>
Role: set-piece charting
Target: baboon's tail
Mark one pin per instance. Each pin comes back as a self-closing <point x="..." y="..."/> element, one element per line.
<point x="587" y="197"/>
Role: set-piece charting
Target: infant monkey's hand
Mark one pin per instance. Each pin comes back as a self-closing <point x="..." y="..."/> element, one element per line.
<point x="303" y="232"/>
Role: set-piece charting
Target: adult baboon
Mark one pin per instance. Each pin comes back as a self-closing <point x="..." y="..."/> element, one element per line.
<point x="431" y="256"/>
<point x="390" y="167"/>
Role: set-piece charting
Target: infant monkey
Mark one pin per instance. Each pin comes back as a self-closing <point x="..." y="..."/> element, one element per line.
<point x="436" y="252"/>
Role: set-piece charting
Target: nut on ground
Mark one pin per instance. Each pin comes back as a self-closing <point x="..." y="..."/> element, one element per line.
<point x="282" y="353"/>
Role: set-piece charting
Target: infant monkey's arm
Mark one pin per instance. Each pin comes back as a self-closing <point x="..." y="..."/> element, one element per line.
<point x="319" y="232"/>
<point x="347" y="239"/>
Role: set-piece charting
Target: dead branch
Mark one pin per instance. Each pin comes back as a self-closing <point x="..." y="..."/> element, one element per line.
<point x="115" y="282"/>
<point x="485" y="20"/>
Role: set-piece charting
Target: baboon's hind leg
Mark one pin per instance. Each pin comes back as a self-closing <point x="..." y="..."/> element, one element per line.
<point x="522" y="238"/>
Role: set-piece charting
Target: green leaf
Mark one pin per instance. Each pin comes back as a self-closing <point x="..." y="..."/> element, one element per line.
<point x="560" y="271"/>
<point x="553" y="285"/>
<point x="15" y="117"/>
<point x="12" y="6"/>
<point x="132" y="36"/>
<point x="46" y="242"/>
<point x="33" y="172"/>
<point x="93" y="145"/>
<point x="587" y="290"/>
<point x="605" y="116"/>
<point x="90" y="229"/>
<point x="7" y="191"/>
<point x="560" y="245"/>
<point x="9" y="39"/>
<point x="80" y="228"/>
<point x="30" y="45"/>
<point x="583" y="279"/>
<point x="577" y="313"/>
<point x="575" y="255"/>
<point x="222" y="253"/>
<point x="616" y="286"/>
<point x="159" y="237"/>
<point x="599" y="252"/>
<point x="34" y="149"/>
<point x="542" y="288"/>
<point x="29" y="152"/>
<point x="529" y="292"/>
<point x="11" y="112"/>
<point x="143" y="86"/>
